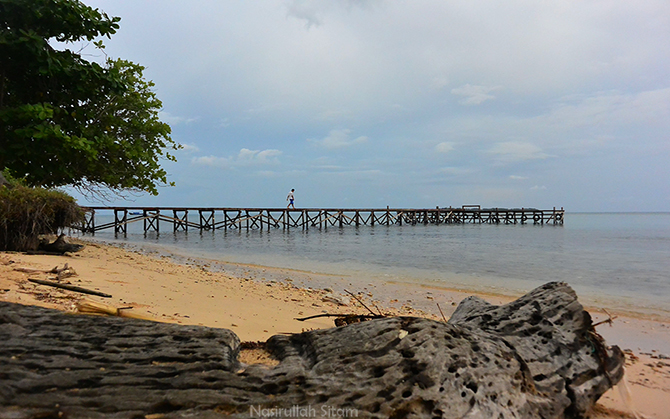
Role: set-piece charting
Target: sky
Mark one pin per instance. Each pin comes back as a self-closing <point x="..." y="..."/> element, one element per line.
<point x="407" y="104"/>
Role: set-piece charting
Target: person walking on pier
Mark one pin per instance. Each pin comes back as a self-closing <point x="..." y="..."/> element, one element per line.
<point x="290" y="198"/>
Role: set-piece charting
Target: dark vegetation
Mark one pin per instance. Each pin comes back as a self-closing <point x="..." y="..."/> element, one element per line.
<point x="28" y="213"/>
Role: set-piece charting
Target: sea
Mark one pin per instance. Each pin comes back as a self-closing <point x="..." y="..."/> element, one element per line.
<point x="619" y="261"/>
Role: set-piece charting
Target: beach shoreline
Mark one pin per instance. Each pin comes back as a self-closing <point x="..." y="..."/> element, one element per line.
<point x="257" y="302"/>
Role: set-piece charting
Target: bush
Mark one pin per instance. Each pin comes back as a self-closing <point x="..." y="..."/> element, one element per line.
<point x="26" y="213"/>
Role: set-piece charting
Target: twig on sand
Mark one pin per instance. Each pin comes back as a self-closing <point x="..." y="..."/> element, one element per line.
<point x="378" y="309"/>
<point x="362" y="316"/>
<point x="344" y="319"/>
<point x="439" y="308"/>
<point x="69" y="287"/>
<point x="359" y="300"/>
<point x="609" y="319"/>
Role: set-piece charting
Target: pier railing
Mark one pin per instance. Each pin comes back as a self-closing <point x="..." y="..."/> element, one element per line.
<point x="283" y="218"/>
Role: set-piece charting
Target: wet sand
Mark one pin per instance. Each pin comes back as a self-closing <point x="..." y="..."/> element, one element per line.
<point x="258" y="302"/>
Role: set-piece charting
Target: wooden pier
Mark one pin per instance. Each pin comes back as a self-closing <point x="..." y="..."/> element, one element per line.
<point x="204" y="219"/>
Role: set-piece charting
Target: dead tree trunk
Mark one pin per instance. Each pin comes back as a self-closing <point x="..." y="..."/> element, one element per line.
<point x="535" y="357"/>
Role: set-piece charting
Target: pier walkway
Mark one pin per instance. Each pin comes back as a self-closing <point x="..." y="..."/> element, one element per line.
<point x="183" y="219"/>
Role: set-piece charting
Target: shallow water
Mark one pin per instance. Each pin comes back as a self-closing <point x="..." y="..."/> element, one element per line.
<point x="619" y="261"/>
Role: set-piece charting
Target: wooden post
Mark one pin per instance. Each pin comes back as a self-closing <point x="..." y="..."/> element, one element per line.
<point x="179" y="222"/>
<point x="206" y="223"/>
<point x="120" y="224"/>
<point x="554" y="215"/>
<point x="88" y="224"/>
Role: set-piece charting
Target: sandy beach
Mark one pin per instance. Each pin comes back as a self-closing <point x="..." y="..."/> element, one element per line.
<point x="257" y="306"/>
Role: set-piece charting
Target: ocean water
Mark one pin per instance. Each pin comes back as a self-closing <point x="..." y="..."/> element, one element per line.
<point x="615" y="260"/>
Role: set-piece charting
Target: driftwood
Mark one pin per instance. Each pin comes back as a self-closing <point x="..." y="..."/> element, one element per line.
<point x="94" y="307"/>
<point x="69" y="287"/>
<point x="346" y="319"/>
<point x="59" y="246"/>
<point x="65" y="272"/>
<point x="343" y="319"/>
<point x="537" y="357"/>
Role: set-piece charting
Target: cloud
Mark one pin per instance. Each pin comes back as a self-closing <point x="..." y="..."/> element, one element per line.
<point x="266" y="108"/>
<point x="244" y="158"/>
<point x="453" y="171"/>
<point x="211" y="161"/>
<point x="444" y="147"/>
<point x="329" y="167"/>
<point x="474" y="95"/>
<point x="247" y="155"/>
<point x="440" y="82"/>
<point x="339" y="138"/>
<point x="173" y="119"/>
<point x="611" y="108"/>
<point x="512" y="151"/>
<point x="515" y="177"/>
<point x="538" y="188"/>
<point x="304" y="10"/>
<point x="333" y="115"/>
<point x="190" y="148"/>
<point x="311" y="11"/>
<point x="369" y="173"/>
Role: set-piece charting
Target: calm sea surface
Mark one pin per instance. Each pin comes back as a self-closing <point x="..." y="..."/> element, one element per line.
<point x="617" y="260"/>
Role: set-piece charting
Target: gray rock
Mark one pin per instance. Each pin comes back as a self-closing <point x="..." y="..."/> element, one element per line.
<point x="536" y="357"/>
<point x="550" y="330"/>
<point x="331" y="298"/>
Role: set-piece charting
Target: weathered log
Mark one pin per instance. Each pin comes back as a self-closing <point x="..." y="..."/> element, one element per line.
<point x="536" y="357"/>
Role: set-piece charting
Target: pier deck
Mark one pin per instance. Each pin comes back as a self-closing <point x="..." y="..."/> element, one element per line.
<point x="305" y="218"/>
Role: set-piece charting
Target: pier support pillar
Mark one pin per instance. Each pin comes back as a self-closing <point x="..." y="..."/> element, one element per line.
<point x="120" y="222"/>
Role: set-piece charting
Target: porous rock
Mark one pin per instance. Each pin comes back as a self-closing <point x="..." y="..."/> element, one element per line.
<point x="534" y="358"/>
<point x="553" y="334"/>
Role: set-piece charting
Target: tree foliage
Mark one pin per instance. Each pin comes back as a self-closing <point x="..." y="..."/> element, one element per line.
<point x="65" y="120"/>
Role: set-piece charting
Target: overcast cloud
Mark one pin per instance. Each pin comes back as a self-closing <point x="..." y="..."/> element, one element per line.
<point x="408" y="104"/>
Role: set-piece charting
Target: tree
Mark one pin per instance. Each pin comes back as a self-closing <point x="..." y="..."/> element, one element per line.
<point x="68" y="121"/>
